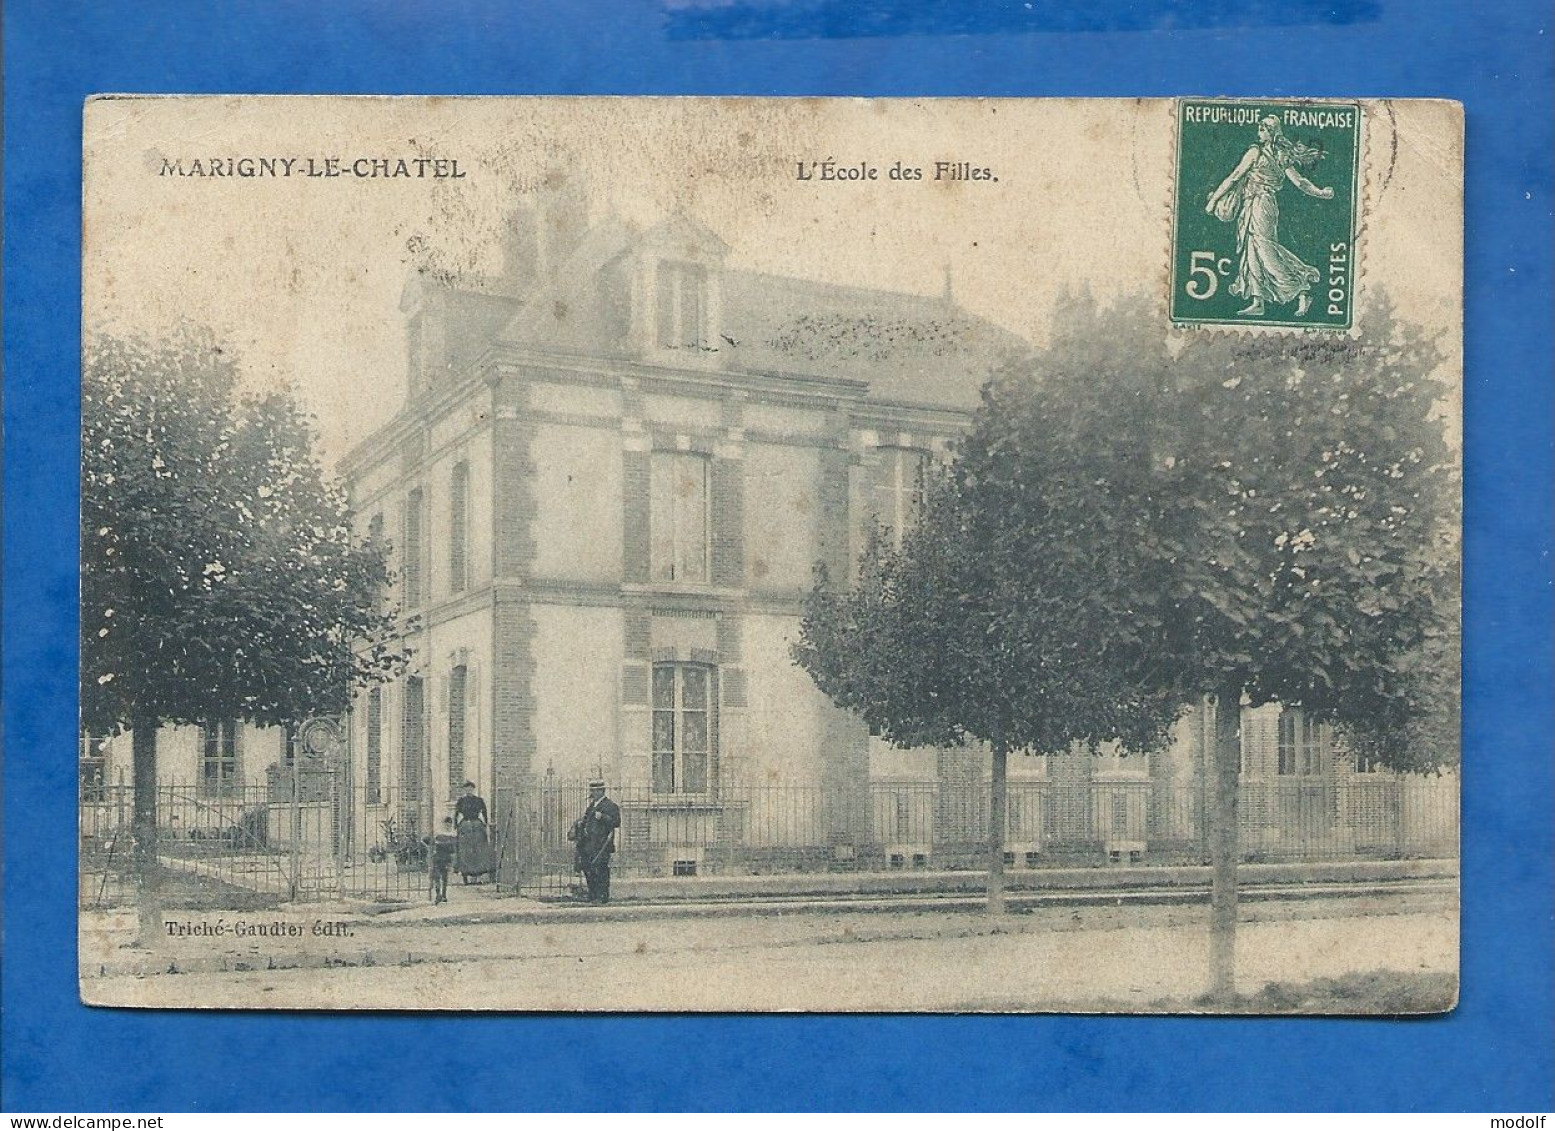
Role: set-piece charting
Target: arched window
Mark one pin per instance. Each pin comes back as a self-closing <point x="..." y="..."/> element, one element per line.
<point x="685" y="727"/>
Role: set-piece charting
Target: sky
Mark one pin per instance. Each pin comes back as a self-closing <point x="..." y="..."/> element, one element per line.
<point x="303" y="276"/>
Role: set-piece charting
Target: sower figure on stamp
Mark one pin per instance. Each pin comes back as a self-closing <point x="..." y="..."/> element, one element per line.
<point x="593" y="837"/>
<point x="1268" y="271"/>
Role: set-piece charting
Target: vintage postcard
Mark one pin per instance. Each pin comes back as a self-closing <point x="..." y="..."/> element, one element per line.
<point x="762" y="555"/>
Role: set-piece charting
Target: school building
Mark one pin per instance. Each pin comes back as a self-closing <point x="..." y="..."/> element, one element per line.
<point x="617" y="463"/>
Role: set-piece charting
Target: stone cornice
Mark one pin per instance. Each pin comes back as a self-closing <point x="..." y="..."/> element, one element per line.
<point x="778" y="389"/>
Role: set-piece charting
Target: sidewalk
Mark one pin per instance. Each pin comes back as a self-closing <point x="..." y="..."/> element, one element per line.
<point x="1139" y="877"/>
<point x="1054" y="957"/>
<point x="320" y="934"/>
<point x="637" y="899"/>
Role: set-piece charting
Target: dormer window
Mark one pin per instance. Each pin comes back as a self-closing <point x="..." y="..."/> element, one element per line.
<point x="682" y="306"/>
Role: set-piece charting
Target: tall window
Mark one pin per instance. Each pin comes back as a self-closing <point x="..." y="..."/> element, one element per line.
<point x="375" y="538"/>
<point x="458" y="526"/>
<point x="375" y="746"/>
<point x="219" y="758"/>
<point x="678" y="517"/>
<point x="412" y="562"/>
<point x="685" y="726"/>
<point x="899" y="487"/>
<point x="682" y="306"/>
<point x="413" y="739"/>
<point x="457" y="681"/>
<point x="94" y="768"/>
<point x="1300" y="749"/>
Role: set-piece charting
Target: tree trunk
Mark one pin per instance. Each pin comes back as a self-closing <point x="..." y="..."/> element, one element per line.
<point x="148" y="866"/>
<point x="998" y="806"/>
<point x="1226" y="759"/>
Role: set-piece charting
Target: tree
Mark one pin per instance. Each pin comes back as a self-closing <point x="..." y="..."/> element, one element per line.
<point x="1302" y="500"/>
<point x="1317" y="565"/>
<point x="219" y="576"/>
<point x="1009" y="616"/>
<point x="1134" y="524"/>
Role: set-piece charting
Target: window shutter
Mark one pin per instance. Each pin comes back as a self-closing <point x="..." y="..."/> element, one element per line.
<point x="458" y="526"/>
<point x="728" y="516"/>
<point x="635" y="504"/>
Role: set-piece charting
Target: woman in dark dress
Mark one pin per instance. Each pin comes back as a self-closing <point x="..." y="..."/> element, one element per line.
<point x="476" y="857"/>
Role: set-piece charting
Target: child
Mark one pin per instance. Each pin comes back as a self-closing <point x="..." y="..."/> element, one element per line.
<point x="440" y="857"/>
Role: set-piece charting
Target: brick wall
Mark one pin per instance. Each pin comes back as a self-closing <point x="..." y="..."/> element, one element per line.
<point x="513" y="551"/>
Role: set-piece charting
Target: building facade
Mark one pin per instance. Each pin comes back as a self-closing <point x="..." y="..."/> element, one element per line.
<point x="616" y="467"/>
<point x="606" y="496"/>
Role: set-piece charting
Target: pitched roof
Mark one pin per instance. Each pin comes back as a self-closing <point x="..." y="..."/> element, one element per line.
<point x="909" y="348"/>
<point x="914" y="349"/>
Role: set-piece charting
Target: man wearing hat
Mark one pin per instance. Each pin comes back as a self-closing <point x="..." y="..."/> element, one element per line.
<point x="593" y="837"/>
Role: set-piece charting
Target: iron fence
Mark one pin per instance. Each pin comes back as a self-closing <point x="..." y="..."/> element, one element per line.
<point x="311" y="835"/>
<point x="297" y="838"/>
<point x="922" y="825"/>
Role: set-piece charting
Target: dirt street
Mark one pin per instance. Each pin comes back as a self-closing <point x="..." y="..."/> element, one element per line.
<point x="1052" y="959"/>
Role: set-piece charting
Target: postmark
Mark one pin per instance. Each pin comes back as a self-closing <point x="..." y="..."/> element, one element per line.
<point x="1265" y="214"/>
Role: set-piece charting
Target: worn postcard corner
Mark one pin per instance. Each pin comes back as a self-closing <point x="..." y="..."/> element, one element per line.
<point x="595" y="554"/>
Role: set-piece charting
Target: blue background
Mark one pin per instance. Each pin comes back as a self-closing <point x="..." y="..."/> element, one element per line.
<point x="1494" y="1053"/>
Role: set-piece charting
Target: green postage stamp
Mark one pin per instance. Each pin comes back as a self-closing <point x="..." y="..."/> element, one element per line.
<point x="1264" y="213"/>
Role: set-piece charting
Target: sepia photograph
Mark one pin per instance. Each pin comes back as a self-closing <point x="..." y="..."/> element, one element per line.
<point x="769" y="555"/>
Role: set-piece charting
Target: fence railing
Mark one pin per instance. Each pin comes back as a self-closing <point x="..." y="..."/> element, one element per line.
<point x="313" y="836"/>
<point x="261" y="843"/>
<point x="906" y="825"/>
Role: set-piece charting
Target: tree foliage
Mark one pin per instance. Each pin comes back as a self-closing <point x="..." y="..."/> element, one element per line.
<point x="1016" y="610"/>
<point x="1317" y="508"/>
<point x="219" y="575"/>
<point x="1134" y="522"/>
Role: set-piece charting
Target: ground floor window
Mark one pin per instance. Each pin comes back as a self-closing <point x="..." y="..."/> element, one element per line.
<point x="94" y="768"/>
<point x="685" y="727"/>
<point x="1367" y="764"/>
<point x="1300" y="744"/>
<point x="219" y="757"/>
